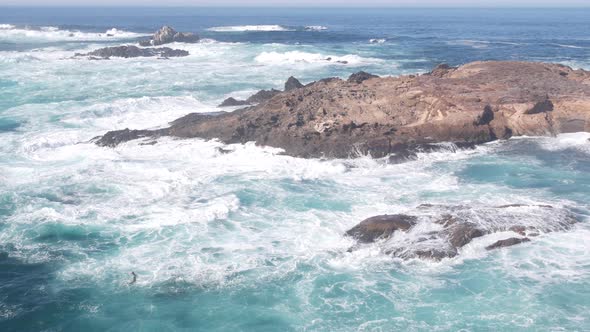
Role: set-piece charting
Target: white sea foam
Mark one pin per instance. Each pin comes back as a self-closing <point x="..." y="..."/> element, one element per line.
<point x="377" y="40"/>
<point x="191" y="224"/>
<point x="201" y="211"/>
<point x="479" y="44"/>
<point x="295" y="57"/>
<point x="578" y="141"/>
<point x="316" y="28"/>
<point x="245" y="28"/>
<point x="6" y="26"/>
<point x="51" y="34"/>
<point x="568" y="46"/>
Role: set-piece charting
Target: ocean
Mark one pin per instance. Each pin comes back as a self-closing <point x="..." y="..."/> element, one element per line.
<point x="253" y="240"/>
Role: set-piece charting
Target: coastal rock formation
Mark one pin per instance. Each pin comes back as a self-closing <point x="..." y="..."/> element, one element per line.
<point x="474" y="103"/>
<point x="133" y="52"/>
<point x="167" y="35"/>
<point x="507" y="243"/>
<point x="440" y="231"/>
<point x="263" y="95"/>
<point x="381" y="227"/>
<point x="231" y="101"/>
<point x="360" y="77"/>
<point x="292" y="84"/>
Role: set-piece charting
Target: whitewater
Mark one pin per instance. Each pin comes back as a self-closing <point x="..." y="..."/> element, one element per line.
<point x="241" y="237"/>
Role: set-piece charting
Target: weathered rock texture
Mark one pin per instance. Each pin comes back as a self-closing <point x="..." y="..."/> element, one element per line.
<point x="134" y="52"/>
<point x="439" y="231"/>
<point x="475" y="103"/>
<point x="167" y="35"/>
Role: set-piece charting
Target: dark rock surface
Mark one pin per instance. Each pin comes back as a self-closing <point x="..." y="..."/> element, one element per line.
<point x="360" y="77"/>
<point x="507" y="243"/>
<point x="114" y="138"/>
<point x="380" y="227"/>
<point x="339" y="119"/>
<point x="292" y="84"/>
<point x="233" y="102"/>
<point x="167" y="35"/>
<point x="441" y="70"/>
<point x="262" y="96"/>
<point x="440" y="231"/>
<point x="133" y="52"/>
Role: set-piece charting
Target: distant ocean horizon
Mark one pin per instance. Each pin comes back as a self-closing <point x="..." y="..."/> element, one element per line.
<point x="252" y="240"/>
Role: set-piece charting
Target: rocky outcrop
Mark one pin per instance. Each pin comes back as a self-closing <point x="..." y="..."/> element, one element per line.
<point x="133" y="52"/>
<point x="231" y="101"/>
<point x="381" y="227"/>
<point x="114" y="138"/>
<point x="474" y="103"/>
<point x="257" y="98"/>
<point x="360" y="77"/>
<point x="292" y="84"/>
<point x="507" y="243"/>
<point x="168" y="35"/>
<point x="440" y="231"/>
<point x="263" y="95"/>
<point x="441" y="70"/>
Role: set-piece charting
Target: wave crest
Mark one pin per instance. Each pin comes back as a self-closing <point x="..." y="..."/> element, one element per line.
<point x="12" y="33"/>
<point x="245" y="28"/>
<point x="276" y="58"/>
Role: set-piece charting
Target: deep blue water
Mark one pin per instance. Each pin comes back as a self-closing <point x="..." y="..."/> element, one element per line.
<point x="253" y="240"/>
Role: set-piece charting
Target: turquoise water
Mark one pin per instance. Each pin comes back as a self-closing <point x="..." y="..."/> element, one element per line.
<point x="253" y="240"/>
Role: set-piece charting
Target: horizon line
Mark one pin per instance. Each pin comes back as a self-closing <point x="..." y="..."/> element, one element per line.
<point x="299" y="7"/>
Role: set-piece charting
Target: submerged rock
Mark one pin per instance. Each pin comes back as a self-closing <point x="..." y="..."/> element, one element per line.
<point x="360" y="77"/>
<point x="380" y="227"/>
<point x="439" y="231"/>
<point x="167" y="35"/>
<point x="134" y="52"/>
<point x="114" y="138"/>
<point x="472" y="104"/>
<point x="507" y="243"/>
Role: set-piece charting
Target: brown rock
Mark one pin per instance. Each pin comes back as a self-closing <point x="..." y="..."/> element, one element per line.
<point x="383" y="114"/>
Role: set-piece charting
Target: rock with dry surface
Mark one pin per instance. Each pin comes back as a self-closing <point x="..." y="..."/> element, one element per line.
<point x="474" y="103"/>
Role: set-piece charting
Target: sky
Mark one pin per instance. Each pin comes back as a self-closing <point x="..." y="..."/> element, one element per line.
<point x="304" y="3"/>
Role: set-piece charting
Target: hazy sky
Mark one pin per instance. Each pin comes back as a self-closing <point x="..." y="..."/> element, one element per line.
<point x="300" y="3"/>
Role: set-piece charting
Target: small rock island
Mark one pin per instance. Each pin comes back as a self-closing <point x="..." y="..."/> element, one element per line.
<point x="380" y="116"/>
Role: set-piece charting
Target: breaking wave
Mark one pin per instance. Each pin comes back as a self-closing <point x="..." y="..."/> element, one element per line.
<point x="245" y="28"/>
<point x="13" y="33"/>
<point x="293" y="57"/>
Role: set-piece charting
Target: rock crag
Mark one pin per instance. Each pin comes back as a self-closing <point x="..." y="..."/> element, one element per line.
<point x="168" y="35"/>
<point x="436" y="232"/>
<point x="129" y="51"/>
<point x="471" y="104"/>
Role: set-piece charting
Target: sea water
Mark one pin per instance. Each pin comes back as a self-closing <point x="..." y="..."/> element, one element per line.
<point x="252" y="240"/>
